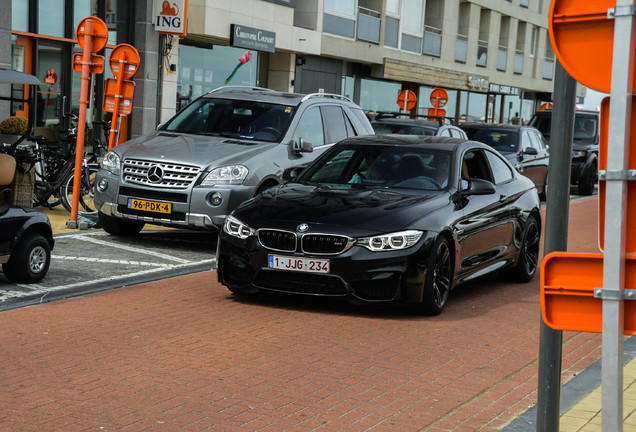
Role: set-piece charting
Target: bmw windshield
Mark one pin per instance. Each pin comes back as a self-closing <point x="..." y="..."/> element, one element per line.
<point x="385" y="167"/>
<point x="233" y="119"/>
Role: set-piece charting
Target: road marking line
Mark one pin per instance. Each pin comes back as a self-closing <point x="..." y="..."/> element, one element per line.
<point x="37" y="289"/>
<point x="132" y="249"/>
<point x="111" y="261"/>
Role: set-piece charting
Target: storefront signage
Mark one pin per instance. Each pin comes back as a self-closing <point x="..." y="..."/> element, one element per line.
<point x="171" y="16"/>
<point x="251" y="38"/>
<point x="504" y="89"/>
<point x="477" y="83"/>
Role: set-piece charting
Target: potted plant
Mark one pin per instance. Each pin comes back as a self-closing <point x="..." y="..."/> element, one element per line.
<point x="12" y="128"/>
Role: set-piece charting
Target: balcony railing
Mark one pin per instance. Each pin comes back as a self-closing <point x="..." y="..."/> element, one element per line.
<point x="461" y="48"/>
<point x="432" y="41"/>
<point x="518" y="68"/>
<point x="368" y="25"/>
<point x="482" y="53"/>
<point x="502" y="58"/>
<point x="548" y="68"/>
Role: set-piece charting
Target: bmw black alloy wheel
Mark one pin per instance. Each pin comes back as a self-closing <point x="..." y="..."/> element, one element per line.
<point x="531" y="247"/>
<point x="441" y="275"/>
<point x="437" y="281"/>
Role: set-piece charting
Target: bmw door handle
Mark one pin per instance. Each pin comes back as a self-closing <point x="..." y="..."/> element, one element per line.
<point x="503" y="198"/>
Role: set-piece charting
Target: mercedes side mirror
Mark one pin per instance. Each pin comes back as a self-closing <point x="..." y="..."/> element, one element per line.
<point x="302" y="146"/>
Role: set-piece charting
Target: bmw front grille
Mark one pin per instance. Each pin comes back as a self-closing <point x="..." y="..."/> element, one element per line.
<point x="315" y="244"/>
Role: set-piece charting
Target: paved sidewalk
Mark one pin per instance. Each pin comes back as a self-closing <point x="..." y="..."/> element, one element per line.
<point x="85" y="327"/>
<point x="581" y="399"/>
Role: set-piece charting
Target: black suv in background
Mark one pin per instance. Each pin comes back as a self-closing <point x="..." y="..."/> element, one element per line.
<point x="415" y="124"/>
<point x="584" y="171"/>
<point x="220" y="150"/>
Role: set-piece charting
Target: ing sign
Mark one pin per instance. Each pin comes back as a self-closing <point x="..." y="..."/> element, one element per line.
<point x="170" y="16"/>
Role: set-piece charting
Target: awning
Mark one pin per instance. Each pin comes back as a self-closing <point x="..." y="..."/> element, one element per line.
<point x="14" y="77"/>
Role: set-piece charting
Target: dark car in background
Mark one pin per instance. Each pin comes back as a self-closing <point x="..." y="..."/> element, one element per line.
<point x="523" y="146"/>
<point x="26" y="238"/>
<point x="584" y="171"/>
<point x="220" y="150"/>
<point x="410" y="124"/>
<point x="386" y="219"/>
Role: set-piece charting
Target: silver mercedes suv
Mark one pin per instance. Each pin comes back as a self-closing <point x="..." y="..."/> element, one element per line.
<point x="220" y="150"/>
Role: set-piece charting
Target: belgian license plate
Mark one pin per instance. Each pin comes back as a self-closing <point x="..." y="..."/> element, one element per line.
<point x="150" y="206"/>
<point x="307" y="265"/>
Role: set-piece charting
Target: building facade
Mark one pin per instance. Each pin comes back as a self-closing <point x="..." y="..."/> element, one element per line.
<point x="492" y="57"/>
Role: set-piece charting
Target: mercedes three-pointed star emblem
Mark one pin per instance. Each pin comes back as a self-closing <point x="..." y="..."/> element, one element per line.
<point x="155" y="174"/>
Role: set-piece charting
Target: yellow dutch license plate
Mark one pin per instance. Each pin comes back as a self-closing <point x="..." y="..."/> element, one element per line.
<point x="149" y="206"/>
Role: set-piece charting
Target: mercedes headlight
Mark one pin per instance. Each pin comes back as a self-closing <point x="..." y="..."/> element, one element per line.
<point x="236" y="228"/>
<point x="231" y="174"/>
<point x="112" y="162"/>
<point x="391" y="242"/>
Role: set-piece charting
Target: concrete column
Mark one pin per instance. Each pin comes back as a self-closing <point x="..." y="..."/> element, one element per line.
<point x="144" y="118"/>
<point x="281" y="71"/>
<point x="168" y="90"/>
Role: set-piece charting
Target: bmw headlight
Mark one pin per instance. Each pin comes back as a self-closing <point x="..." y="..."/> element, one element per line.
<point x="111" y="162"/>
<point x="579" y="154"/>
<point x="392" y="241"/>
<point x="236" y="228"/>
<point x="231" y="174"/>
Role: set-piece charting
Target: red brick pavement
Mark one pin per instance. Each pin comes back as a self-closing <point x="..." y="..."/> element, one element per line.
<point x="183" y="354"/>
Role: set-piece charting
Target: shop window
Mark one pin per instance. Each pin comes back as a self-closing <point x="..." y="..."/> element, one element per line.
<point x="379" y="95"/>
<point x="424" y="101"/>
<point x="202" y="69"/>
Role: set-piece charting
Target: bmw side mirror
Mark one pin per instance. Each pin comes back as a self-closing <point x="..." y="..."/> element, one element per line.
<point x="302" y="146"/>
<point x="291" y="174"/>
<point x="531" y="151"/>
<point x="479" y="187"/>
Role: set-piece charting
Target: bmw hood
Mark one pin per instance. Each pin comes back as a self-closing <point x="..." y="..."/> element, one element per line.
<point x="358" y="209"/>
<point x="199" y="150"/>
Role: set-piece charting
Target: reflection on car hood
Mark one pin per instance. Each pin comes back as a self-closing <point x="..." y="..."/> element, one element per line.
<point x="378" y="210"/>
<point x="192" y="149"/>
<point x="584" y="144"/>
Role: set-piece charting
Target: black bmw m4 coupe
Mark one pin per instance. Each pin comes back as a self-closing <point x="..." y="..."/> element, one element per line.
<point x="386" y="218"/>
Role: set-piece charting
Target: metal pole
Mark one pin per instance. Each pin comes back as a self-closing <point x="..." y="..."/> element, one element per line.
<point x="615" y="215"/>
<point x="556" y="229"/>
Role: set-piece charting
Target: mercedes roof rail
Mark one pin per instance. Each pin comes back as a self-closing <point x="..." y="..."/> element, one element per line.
<point x="244" y="88"/>
<point x="327" y="95"/>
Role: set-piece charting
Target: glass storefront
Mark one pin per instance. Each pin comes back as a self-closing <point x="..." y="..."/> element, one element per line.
<point x="202" y="69"/>
<point x="49" y="54"/>
<point x="424" y="101"/>
<point x="379" y="95"/>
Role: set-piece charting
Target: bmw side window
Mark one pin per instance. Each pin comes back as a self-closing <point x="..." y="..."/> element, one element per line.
<point x="475" y="165"/>
<point x="310" y="127"/>
<point x="500" y="170"/>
